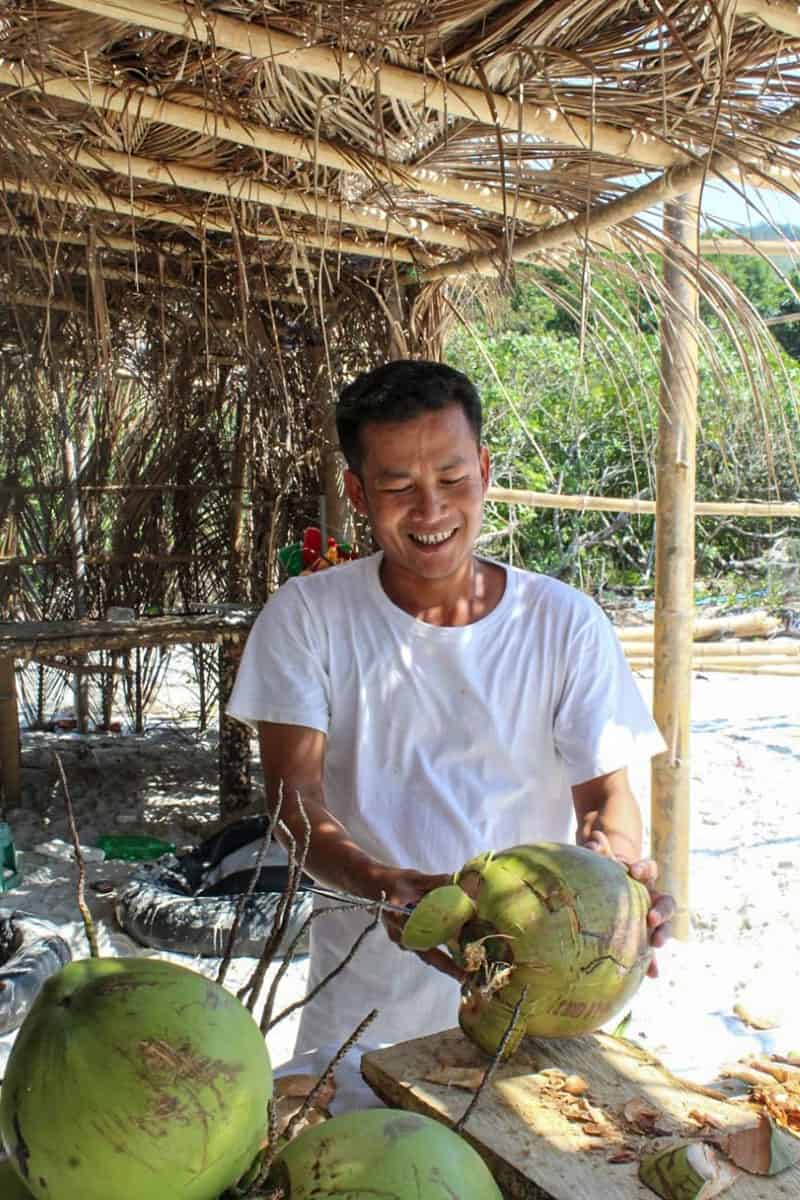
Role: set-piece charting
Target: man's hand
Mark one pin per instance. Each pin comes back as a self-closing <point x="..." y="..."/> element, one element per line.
<point x="645" y="870"/>
<point x="408" y="888"/>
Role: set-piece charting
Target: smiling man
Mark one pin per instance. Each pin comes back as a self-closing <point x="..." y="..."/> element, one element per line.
<point x="427" y="704"/>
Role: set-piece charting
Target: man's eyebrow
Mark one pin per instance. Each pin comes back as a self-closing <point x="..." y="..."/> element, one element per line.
<point x="389" y="473"/>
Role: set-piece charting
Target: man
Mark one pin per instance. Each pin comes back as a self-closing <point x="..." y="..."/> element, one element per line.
<point x="427" y="704"/>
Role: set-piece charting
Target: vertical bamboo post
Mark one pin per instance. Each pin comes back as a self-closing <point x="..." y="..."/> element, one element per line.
<point x="72" y="500"/>
<point x="674" y="593"/>
<point x="9" y="736"/>
<point x="234" y="738"/>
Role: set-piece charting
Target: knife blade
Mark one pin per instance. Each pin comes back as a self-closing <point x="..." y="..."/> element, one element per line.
<point x="360" y="901"/>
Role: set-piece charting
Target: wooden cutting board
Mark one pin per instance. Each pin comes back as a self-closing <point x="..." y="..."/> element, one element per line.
<point x="521" y="1125"/>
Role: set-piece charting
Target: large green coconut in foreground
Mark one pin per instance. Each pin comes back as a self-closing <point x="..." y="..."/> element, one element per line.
<point x="382" y="1152"/>
<point x="11" y="1186"/>
<point x="568" y="924"/>
<point x="135" y="1079"/>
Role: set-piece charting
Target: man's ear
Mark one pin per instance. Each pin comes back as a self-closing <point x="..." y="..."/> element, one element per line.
<point x="354" y="490"/>
<point x="485" y="468"/>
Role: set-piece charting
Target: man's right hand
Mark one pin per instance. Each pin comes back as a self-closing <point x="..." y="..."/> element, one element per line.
<point x="406" y="888"/>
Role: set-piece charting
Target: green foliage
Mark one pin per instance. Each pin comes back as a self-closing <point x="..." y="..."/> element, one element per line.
<point x="579" y="416"/>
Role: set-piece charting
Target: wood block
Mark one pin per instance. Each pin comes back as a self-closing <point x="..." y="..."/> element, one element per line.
<point x="527" y="1128"/>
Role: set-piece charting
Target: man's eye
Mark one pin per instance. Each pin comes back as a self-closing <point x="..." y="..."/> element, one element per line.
<point x="398" y="491"/>
<point x="451" y="482"/>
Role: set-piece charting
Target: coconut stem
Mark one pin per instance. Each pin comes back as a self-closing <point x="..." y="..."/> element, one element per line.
<point x="492" y="1067"/>
<point x="88" y="923"/>
<point x="319" y="1086"/>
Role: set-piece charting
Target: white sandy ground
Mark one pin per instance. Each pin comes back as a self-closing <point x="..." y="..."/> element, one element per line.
<point x="745" y="862"/>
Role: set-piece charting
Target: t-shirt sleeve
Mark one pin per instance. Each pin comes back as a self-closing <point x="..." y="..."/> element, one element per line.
<point x="602" y="723"/>
<point x="283" y="676"/>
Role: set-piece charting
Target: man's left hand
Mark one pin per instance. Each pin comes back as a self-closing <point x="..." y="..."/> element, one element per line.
<point x="645" y="871"/>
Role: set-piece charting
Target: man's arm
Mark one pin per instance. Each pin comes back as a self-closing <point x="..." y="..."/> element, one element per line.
<point x="610" y="823"/>
<point x="607" y="806"/>
<point x="293" y="758"/>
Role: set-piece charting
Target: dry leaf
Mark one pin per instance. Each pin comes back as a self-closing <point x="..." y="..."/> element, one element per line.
<point x="623" y="1156"/>
<point x="705" y="1119"/>
<point x="575" y="1085"/>
<point x="594" y="1130"/>
<point x="300" y="1085"/>
<point x="756" y="1020"/>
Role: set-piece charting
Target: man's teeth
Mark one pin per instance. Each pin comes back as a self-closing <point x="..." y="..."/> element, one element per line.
<point x="432" y="539"/>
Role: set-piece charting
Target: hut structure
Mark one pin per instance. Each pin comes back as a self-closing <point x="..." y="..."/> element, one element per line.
<point x="213" y="214"/>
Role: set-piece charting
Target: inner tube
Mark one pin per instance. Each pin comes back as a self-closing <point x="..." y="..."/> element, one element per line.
<point x="187" y="903"/>
<point x="31" y="950"/>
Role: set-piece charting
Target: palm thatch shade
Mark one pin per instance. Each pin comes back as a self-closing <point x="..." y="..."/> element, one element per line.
<point x="214" y="213"/>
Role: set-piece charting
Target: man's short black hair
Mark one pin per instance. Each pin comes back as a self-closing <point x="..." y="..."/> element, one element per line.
<point x="399" y="391"/>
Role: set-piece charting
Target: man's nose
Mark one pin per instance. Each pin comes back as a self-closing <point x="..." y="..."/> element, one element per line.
<point x="428" y="502"/>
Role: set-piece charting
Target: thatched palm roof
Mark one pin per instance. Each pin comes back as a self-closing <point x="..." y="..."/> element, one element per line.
<point x="443" y="137"/>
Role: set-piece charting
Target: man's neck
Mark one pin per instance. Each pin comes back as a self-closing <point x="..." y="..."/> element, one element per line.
<point x="460" y="599"/>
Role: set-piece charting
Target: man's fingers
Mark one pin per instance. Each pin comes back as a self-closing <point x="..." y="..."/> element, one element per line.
<point x="645" y="871"/>
<point x="443" y="962"/>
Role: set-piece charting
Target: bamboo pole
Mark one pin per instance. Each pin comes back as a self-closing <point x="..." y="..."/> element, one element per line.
<point x="252" y="191"/>
<point x="740" y="246"/>
<point x="777" y="15"/>
<point x="741" y="662"/>
<point x="259" y="40"/>
<point x="146" y="105"/>
<point x="702" y="508"/>
<point x="674" y="595"/>
<point x="728" y="668"/>
<point x="779" y="648"/>
<point x="52" y="639"/>
<point x="749" y="624"/>
<point x="146" y="210"/>
<point x="235" y="760"/>
<point x="77" y="543"/>
<point x="10" y="775"/>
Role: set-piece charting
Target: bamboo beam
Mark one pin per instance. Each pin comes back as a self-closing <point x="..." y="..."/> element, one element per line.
<point x="760" y="648"/>
<point x="139" y="279"/>
<point x="756" y="623"/>
<point x="740" y="246"/>
<point x="51" y="639"/>
<point x="346" y="69"/>
<point x="146" y="210"/>
<point x="702" y="508"/>
<point x="253" y="191"/>
<point x="777" y="15"/>
<point x="741" y="667"/>
<point x="143" y="104"/>
<point x="674" y="594"/>
<point x="10" y="776"/>
<point x="32" y="300"/>
<point x="587" y="226"/>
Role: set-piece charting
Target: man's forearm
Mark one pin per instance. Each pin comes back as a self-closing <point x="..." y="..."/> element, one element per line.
<point x="334" y="859"/>
<point x="623" y="831"/>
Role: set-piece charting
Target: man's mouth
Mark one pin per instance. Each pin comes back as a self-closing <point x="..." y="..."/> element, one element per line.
<point x="432" y="539"/>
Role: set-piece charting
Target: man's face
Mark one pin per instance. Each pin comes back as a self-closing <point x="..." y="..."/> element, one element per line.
<point x="422" y="487"/>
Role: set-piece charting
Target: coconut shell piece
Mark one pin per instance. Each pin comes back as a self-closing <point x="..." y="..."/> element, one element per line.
<point x="437" y="918"/>
<point x="689" y="1171"/>
<point x="762" y="1148"/>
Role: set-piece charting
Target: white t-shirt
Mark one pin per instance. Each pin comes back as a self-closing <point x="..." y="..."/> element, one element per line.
<point x="441" y="743"/>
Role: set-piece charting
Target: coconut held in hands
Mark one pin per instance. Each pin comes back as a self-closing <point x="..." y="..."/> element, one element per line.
<point x="565" y="923"/>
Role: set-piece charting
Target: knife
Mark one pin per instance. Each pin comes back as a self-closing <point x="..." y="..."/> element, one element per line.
<point x="360" y="901"/>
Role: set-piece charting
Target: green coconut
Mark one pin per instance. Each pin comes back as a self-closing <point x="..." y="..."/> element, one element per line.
<point x="134" y="1078"/>
<point x="11" y="1186"/>
<point x="381" y="1152"/>
<point x="565" y="923"/>
<point x="439" y="916"/>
